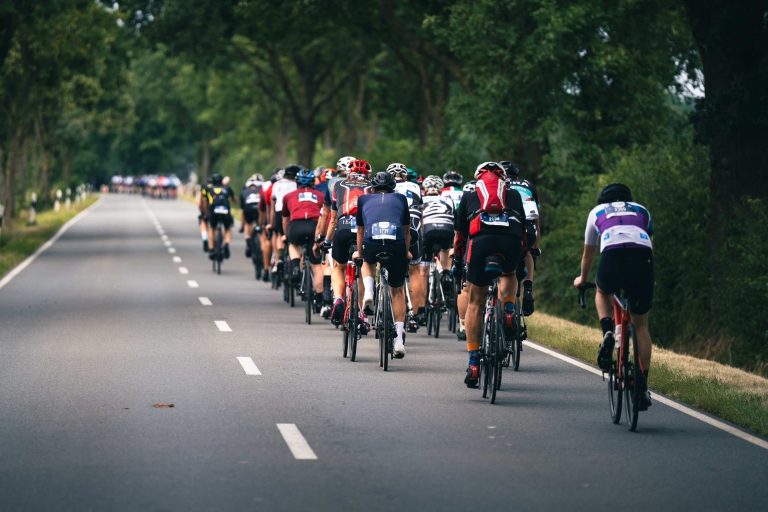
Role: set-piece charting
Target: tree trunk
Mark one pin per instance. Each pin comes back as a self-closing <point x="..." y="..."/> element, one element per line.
<point x="307" y="134"/>
<point x="281" y="143"/>
<point x="205" y="161"/>
<point x="10" y="175"/>
<point x="66" y="174"/>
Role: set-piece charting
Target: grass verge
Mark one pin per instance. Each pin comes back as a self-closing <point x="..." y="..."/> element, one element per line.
<point x="20" y="240"/>
<point x="729" y="393"/>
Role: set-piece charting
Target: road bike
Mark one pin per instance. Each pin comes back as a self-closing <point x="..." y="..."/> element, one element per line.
<point x="492" y="347"/>
<point x="624" y="390"/>
<point x="256" y="255"/>
<point x="383" y="317"/>
<point x="436" y="302"/>
<point x="217" y="254"/>
<point x="306" y="288"/>
<point x="514" y="346"/>
<point x="351" y="323"/>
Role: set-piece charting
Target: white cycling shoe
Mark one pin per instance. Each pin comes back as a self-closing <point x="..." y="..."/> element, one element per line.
<point x="398" y="350"/>
<point x="368" y="303"/>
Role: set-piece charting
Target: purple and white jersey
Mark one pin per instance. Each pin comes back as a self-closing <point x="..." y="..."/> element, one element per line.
<point x="619" y="225"/>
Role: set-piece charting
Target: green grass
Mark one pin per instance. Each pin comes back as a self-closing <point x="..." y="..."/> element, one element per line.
<point x="19" y="240"/>
<point x="729" y="393"/>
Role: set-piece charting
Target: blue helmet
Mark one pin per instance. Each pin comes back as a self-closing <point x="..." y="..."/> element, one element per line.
<point x="305" y="178"/>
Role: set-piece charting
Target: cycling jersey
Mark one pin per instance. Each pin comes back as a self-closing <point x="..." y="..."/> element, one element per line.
<point x="266" y="196"/>
<point x="383" y="217"/>
<point x="412" y="193"/>
<point x="619" y="225"/>
<point x="331" y="190"/>
<point x="250" y="198"/>
<point x="279" y="190"/>
<point x="219" y="199"/>
<point x="453" y="194"/>
<point x="345" y="199"/>
<point x="529" y="196"/>
<point x="302" y="204"/>
<point x="438" y="213"/>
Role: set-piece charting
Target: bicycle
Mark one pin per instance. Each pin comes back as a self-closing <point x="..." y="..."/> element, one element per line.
<point x="435" y="298"/>
<point x="256" y="256"/>
<point x="218" y="248"/>
<point x="623" y="389"/>
<point x="492" y="347"/>
<point x="289" y="289"/>
<point x="383" y="317"/>
<point x="351" y="322"/>
<point x="305" y="286"/>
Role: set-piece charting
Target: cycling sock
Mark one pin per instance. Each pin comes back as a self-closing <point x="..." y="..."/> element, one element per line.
<point x="474" y="356"/>
<point x="461" y="325"/>
<point x="204" y="236"/>
<point x="473" y="346"/>
<point x="369" y="284"/>
<point x="507" y="299"/>
<point x="606" y="324"/>
<point x="399" y="330"/>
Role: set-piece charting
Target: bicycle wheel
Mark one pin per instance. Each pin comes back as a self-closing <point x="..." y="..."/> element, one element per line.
<point x="386" y="320"/>
<point x="436" y="318"/>
<point x="615" y="391"/>
<point x="308" y="291"/>
<point x="485" y="360"/>
<point x="219" y="249"/>
<point x="498" y="348"/>
<point x="517" y="343"/>
<point x="354" y="314"/>
<point x="632" y="389"/>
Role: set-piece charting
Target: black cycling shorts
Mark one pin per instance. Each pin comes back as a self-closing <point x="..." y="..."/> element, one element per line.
<point x="416" y="248"/>
<point x="302" y="233"/>
<point x="219" y="218"/>
<point x="396" y="265"/>
<point x="343" y="239"/>
<point x="631" y="270"/>
<point x="441" y="239"/>
<point x="251" y="216"/>
<point x="277" y="227"/>
<point x="506" y="248"/>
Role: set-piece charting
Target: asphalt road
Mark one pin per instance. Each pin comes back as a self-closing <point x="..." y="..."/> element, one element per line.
<point x="104" y="325"/>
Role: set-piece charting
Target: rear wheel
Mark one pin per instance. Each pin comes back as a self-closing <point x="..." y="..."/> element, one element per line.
<point x="308" y="291"/>
<point x="615" y="391"/>
<point x="353" y="323"/>
<point x="517" y="343"/>
<point x="485" y="361"/>
<point x="632" y="390"/>
<point x="386" y="327"/>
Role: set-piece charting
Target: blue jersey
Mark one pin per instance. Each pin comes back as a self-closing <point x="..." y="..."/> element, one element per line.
<point x="383" y="216"/>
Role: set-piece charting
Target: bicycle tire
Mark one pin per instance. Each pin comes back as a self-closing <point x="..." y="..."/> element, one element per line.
<point x="308" y="291"/>
<point x="438" y="316"/>
<point x="219" y="249"/>
<point x="485" y="361"/>
<point x="517" y="343"/>
<point x="385" y="315"/>
<point x="497" y="347"/>
<point x="354" y="319"/>
<point x="631" y="387"/>
<point x="615" y="386"/>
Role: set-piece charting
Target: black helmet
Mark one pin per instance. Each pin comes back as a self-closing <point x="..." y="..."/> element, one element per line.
<point x="216" y="178"/>
<point x="613" y="193"/>
<point x="383" y="181"/>
<point x="453" y="178"/>
<point x="292" y="170"/>
<point x="510" y="169"/>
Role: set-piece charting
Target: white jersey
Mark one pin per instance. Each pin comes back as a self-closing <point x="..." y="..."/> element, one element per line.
<point x="454" y="194"/>
<point x="279" y="191"/>
<point x="411" y="191"/>
<point x="438" y="210"/>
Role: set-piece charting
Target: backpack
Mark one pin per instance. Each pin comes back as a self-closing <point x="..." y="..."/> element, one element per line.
<point x="490" y="216"/>
<point x="220" y="201"/>
<point x="350" y="196"/>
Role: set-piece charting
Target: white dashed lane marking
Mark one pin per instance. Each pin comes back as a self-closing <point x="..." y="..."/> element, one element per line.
<point x="171" y="250"/>
<point x="177" y="259"/>
<point x="167" y="243"/>
<point x="249" y="367"/>
<point x="164" y="237"/>
<point x="205" y="301"/>
<point x="299" y="446"/>
<point x="193" y="284"/>
<point x="183" y="270"/>
<point x="222" y="325"/>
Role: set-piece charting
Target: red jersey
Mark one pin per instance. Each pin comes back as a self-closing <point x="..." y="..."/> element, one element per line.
<point x="266" y="196"/>
<point x="302" y="204"/>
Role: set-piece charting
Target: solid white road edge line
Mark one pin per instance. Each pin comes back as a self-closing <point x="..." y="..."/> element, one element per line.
<point x="183" y="270"/>
<point x="662" y="399"/>
<point x="222" y="325"/>
<point x="249" y="367"/>
<point x="298" y="445"/>
<point x="205" y="301"/>
<point x="40" y="250"/>
<point x="193" y="284"/>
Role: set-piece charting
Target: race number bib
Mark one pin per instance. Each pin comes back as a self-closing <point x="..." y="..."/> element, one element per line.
<point x="353" y="224"/>
<point x="618" y="210"/>
<point x="501" y="219"/>
<point x="384" y="231"/>
<point x="531" y="210"/>
<point x="252" y="199"/>
<point x="307" y="196"/>
<point x="221" y="210"/>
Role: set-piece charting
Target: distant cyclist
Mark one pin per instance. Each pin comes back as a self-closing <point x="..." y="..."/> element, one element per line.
<point x="532" y="227"/>
<point x="384" y="227"/>
<point x="452" y="187"/>
<point x="462" y="300"/>
<point x="250" y="200"/>
<point x="202" y="212"/>
<point x="623" y="229"/>
<point x="281" y="187"/>
<point x="220" y="199"/>
<point x="489" y="223"/>
<point x="438" y="222"/>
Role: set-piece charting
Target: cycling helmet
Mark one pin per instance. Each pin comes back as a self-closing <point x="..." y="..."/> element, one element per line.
<point x="493" y="167"/>
<point x="398" y="171"/>
<point x="510" y="169"/>
<point x="453" y="178"/>
<point x="305" y="178"/>
<point x="413" y="176"/>
<point x="292" y="170"/>
<point x="344" y="164"/>
<point x="613" y="193"/>
<point x="280" y="174"/>
<point x="432" y="185"/>
<point x="469" y="186"/>
<point x="383" y="181"/>
<point x="216" y="178"/>
<point x="360" y="167"/>
<point x="257" y="177"/>
<point x="250" y="182"/>
<point x="329" y="173"/>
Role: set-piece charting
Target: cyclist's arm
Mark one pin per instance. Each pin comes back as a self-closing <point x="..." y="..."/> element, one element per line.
<point x="586" y="261"/>
<point x="286" y="219"/>
<point x="332" y="225"/>
<point x="321" y="222"/>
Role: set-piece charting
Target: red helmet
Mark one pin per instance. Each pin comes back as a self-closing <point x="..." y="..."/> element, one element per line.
<point x="360" y="167"/>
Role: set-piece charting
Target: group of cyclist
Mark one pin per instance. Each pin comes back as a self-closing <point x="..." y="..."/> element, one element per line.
<point x="487" y="228"/>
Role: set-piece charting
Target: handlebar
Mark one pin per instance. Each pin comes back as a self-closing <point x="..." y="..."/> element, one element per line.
<point x="582" y="291"/>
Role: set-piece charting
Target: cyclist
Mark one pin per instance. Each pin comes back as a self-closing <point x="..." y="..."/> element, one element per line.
<point x="461" y="300"/>
<point x="342" y="229"/>
<point x="220" y="199"/>
<point x="532" y="227"/>
<point x="406" y="184"/>
<point x="301" y="210"/>
<point x="250" y="199"/>
<point x="266" y="234"/>
<point x="286" y="183"/>
<point x="453" y="182"/>
<point x="384" y="227"/>
<point x="438" y="220"/>
<point x="623" y="229"/>
<point x="202" y="215"/>
<point x="489" y="223"/>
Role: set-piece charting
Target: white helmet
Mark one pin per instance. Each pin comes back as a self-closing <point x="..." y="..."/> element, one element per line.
<point x="225" y="181"/>
<point x="398" y="171"/>
<point x="432" y="184"/>
<point x="493" y="167"/>
<point x="469" y="186"/>
<point x="344" y="165"/>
